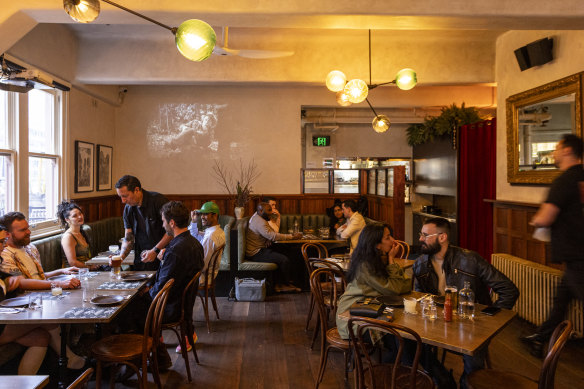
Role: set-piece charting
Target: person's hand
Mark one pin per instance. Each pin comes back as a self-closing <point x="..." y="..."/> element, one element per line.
<point x="70" y="284"/>
<point x="297" y="235"/>
<point x="275" y="213"/>
<point x="70" y="270"/>
<point x="393" y="252"/>
<point x="148" y="256"/>
<point x="343" y="227"/>
<point x="195" y="216"/>
<point x="13" y="283"/>
<point x="161" y="254"/>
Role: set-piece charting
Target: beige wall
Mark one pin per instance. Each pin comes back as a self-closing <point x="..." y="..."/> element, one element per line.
<point x="568" y="54"/>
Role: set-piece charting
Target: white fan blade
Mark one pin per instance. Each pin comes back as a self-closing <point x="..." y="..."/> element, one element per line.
<point x="225" y="51"/>
<point x="263" y="54"/>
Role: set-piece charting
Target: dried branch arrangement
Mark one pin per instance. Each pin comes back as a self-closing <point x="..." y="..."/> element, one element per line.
<point x="241" y="186"/>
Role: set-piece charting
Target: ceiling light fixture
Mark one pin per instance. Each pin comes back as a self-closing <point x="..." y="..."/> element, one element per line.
<point x="194" y="38"/>
<point x="356" y="90"/>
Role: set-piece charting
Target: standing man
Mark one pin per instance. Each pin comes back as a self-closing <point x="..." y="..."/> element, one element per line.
<point x="257" y="248"/>
<point x="274" y="221"/>
<point x="562" y="212"/>
<point x="213" y="236"/>
<point x="442" y="264"/>
<point x="354" y="224"/>
<point x="142" y="222"/>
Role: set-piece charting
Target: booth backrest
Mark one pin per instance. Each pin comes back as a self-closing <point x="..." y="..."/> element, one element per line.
<point x="227" y="223"/>
<point x="242" y="226"/>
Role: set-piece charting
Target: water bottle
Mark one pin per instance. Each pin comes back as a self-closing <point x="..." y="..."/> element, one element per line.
<point x="296" y="228"/>
<point x="466" y="302"/>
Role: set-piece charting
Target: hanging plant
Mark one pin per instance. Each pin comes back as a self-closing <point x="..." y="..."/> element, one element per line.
<point x="441" y="126"/>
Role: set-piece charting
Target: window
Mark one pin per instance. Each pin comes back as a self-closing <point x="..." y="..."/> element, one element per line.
<point x="31" y="155"/>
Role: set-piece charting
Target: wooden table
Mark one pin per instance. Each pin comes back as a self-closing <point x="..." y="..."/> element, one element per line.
<point x="54" y="310"/>
<point x="104" y="260"/>
<point x="460" y="335"/>
<point x="339" y="242"/>
<point x="23" y="381"/>
<point x="404" y="263"/>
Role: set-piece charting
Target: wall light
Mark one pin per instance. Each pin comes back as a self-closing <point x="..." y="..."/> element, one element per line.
<point x="194" y="38"/>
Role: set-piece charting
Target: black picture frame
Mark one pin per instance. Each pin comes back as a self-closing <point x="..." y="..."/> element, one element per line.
<point x="84" y="152"/>
<point x="104" y="162"/>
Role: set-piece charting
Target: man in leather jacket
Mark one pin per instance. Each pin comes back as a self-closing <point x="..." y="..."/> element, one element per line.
<point x="443" y="264"/>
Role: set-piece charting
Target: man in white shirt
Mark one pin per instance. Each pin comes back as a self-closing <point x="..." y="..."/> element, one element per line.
<point x="213" y="236"/>
<point x="355" y="223"/>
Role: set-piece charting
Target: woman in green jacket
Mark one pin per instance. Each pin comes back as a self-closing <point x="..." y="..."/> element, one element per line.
<point x="373" y="271"/>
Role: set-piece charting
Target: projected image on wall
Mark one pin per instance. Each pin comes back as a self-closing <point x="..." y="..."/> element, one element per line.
<point x="184" y="128"/>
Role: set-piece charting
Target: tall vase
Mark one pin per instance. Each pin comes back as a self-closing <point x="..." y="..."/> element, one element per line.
<point x="239" y="211"/>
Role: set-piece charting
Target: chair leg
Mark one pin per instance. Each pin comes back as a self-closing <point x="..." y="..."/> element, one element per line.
<point x="310" y="311"/>
<point x="205" y="303"/>
<point x="323" y="361"/>
<point x="183" y="350"/>
<point x="190" y="330"/>
<point x="155" y="371"/>
<point x="113" y="372"/>
<point x="98" y="375"/>
<point x="316" y="331"/>
<point x="212" y="292"/>
<point x="144" y="378"/>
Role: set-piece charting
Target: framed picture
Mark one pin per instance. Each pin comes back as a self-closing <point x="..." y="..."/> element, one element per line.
<point x="83" y="166"/>
<point x="104" y="156"/>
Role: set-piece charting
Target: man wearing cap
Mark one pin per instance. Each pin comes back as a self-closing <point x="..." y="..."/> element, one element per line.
<point x="213" y="235"/>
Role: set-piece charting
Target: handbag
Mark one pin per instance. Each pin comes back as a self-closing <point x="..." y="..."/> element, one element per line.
<point x="367" y="308"/>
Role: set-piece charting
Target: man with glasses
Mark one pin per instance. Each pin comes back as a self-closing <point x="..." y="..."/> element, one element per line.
<point x="442" y="264"/>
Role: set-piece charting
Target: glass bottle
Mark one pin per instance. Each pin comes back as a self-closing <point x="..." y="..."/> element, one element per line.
<point x="466" y="301"/>
<point x="296" y="228"/>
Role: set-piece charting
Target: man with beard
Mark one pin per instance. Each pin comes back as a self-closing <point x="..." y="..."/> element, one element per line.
<point x="259" y="238"/>
<point x="442" y="264"/>
<point x="21" y="258"/>
<point x="213" y="236"/>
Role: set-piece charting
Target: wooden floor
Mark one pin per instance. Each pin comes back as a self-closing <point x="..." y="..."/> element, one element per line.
<point x="263" y="345"/>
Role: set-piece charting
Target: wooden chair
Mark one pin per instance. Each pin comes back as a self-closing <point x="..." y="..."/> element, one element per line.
<point x="184" y="327"/>
<point x="370" y="374"/>
<point x="82" y="380"/>
<point x="404" y="251"/>
<point x="491" y="378"/>
<point x="124" y="348"/>
<point x="322" y="253"/>
<point x="330" y="336"/>
<point x="207" y="287"/>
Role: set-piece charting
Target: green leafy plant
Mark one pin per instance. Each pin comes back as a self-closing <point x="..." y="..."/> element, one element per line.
<point x="444" y="125"/>
<point x="240" y="187"/>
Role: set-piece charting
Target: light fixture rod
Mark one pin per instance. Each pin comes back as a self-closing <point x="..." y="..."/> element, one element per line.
<point x="369" y="58"/>
<point x="370" y="106"/>
<point x="172" y="29"/>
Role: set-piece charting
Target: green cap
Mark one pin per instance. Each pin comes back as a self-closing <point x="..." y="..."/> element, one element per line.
<point x="209" y="207"/>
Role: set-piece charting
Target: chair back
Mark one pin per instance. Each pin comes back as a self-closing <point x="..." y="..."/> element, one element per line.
<point x="318" y="279"/>
<point x="316" y="263"/>
<point x="321" y="251"/>
<point x="557" y="343"/>
<point x="391" y="372"/>
<point x="154" y="317"/>
<point x="82" y="380"/>
<point x="404" y="251"/>
<point x="209" y="273"/>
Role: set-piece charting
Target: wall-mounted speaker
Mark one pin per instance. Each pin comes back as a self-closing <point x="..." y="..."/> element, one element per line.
<point x="535" y="54"/>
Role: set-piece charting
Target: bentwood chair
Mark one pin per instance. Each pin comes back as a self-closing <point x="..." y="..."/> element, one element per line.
<point x="322" y="253"/>
<point x="330" y="304"/>
<point x="330" y="338"/>
<point x="491" y="378"/>
<point x="82" y="380"/>
<point x="207" y="287"/>
<point x="184" y="327"/>
<point x="374" y="375"/>
<point x="404" y="251"/>
<point x="125" y="348"/>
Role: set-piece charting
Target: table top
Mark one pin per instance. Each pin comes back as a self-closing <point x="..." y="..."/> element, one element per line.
<point x="23" y="381"/>
<point x="460" y="335"/>
<point x="404" y="263"/>
<point x="323" y="241"/>
<point x="54" y="308"/>
<point x="104" y="260"/>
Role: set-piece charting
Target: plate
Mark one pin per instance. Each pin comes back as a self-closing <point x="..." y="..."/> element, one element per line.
<point x="439" y="300"/>
<point x="134" y="277"/>
<point x="17" y="302"/>
<point x="391" y="300"/>
<point x="107" y="300"/>
<point x="62" y="277"/>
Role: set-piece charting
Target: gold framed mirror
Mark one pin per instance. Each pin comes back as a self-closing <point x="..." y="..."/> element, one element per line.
<point x="536" y="121"/>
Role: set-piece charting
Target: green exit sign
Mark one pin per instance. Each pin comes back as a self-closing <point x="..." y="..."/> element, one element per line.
<point x="321" y="141"/>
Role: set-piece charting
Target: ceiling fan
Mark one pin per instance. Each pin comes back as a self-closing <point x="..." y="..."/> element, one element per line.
<point x="247" y="53"/>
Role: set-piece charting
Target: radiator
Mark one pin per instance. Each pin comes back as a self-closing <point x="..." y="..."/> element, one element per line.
<point x="537" y="285"/>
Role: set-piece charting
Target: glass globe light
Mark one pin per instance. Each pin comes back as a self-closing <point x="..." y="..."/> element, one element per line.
<point x="357" y="90"/>
<point x="195" y="39"/>
<point x="343" y="99"/>
<point x="381" y="123"/>
<point x="336" y="80"/>
<point x="406" y="79"/>
<point x="83" y="11"/>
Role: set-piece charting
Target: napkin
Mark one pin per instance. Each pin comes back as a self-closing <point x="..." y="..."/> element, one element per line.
<point x="11" y="310"/>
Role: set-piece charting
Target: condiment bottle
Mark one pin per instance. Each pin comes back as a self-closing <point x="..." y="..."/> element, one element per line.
<point x="448" y="306"/>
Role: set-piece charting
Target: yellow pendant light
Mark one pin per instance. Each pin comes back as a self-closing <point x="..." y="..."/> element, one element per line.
<point x="406" y="79"/>
<point x="356" y="90"/>
<point x="83" y="11"/>
<point x="343" y="99"/>
<point x="195" y="40"/>
<point x="336" y="80"/>
<point x="381" y="123"/>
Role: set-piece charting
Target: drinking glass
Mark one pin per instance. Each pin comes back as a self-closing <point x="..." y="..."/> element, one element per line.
<point x="88" y="291"/>
<point x="56" y="290"/>
<point x="410" y="305"/>
<point x="35" y="301"/>
<point x="114" y="249"/>
<point x="83" y="273"/>
<point x="454" y="293"/>
<point x="116" y="266"/>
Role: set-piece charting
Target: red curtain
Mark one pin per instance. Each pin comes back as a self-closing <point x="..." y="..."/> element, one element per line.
<point x="477" y="182"/>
